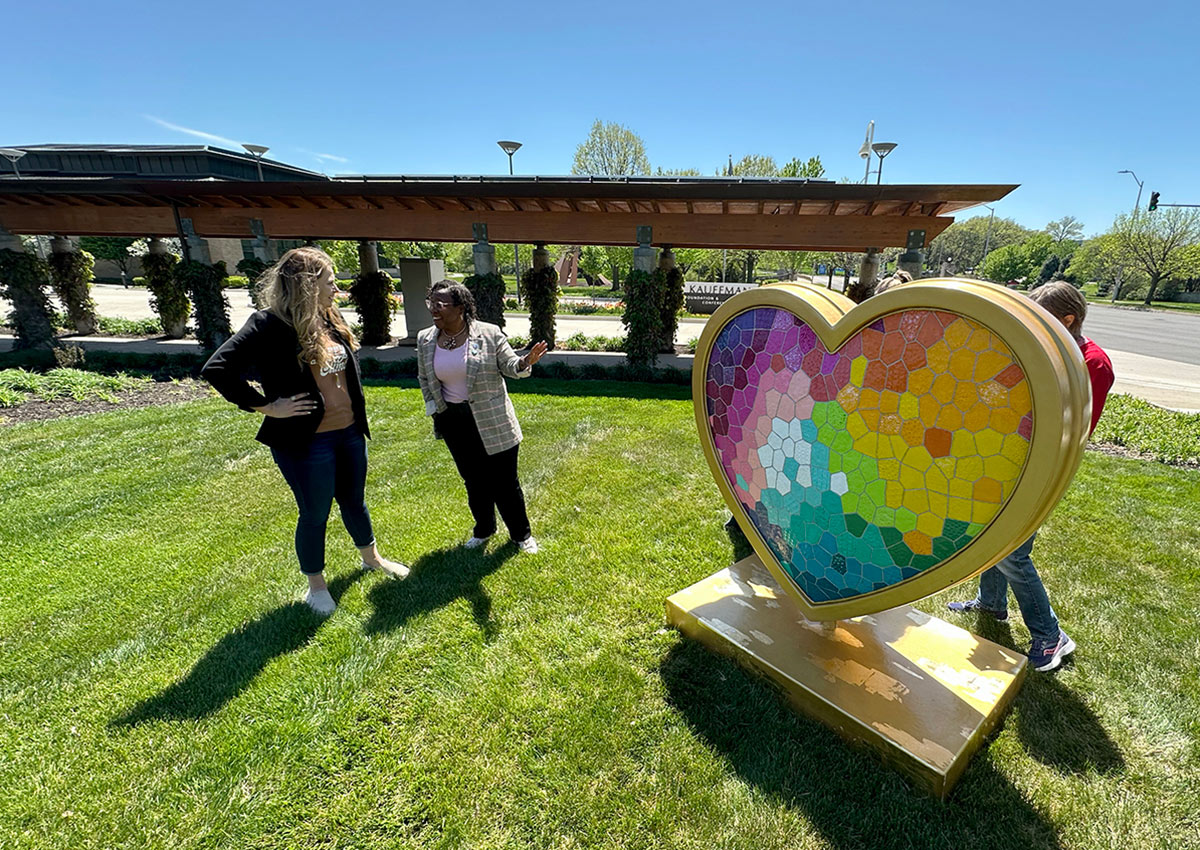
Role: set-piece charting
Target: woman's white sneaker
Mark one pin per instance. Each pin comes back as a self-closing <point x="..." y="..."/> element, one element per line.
<point x="528" y="545"/>
<point x="475" y="542"/>
<point x="320" y="601"/>
<point x="392" y="568"/>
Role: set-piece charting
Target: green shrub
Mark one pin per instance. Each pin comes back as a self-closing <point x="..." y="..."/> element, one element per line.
<point x="22" y="278"/>
<point x="168" y="294"/>
<point x="642" y="318"/>
<point x="253" y="268"/>
<point x="540" y="287"/>
<point x="71" y="275"/>
<point x="488" y="290"/>
<point x="371" y="295"/>
<point x="669" y="283"/>
<point x="203" y="283"/>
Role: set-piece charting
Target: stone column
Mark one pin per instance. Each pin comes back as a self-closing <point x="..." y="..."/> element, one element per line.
<point x="868" y="271"/>
<point x="196" y="246"/>
<point x="541" y="257"/>
<point x="913" y="259"/>
<point x="156" y="245"/>
<point x="263" y="249"/>
<point x="483" y="254"/>
<point x="10" y="241"/>
<point x="368" y="257"/>
<point x="666" y="258"/>
<point x="643" y="254"/>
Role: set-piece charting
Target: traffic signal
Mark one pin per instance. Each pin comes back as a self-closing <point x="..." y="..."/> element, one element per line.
<point x="1153" y="201"/>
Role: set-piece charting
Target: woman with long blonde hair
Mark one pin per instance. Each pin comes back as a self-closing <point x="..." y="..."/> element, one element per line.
<point x="314" y="414"/>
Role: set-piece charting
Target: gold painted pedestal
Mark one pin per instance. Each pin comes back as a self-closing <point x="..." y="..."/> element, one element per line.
<point x="922" y="692"/>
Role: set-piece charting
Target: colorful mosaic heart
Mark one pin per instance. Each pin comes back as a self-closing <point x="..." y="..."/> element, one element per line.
<point x="870" y="456"/>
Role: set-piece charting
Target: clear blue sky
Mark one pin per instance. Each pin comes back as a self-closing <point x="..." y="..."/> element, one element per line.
<point x="1055" y="96"/>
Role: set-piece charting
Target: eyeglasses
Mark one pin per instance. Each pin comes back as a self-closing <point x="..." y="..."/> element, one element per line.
<point x="430" y="304"/>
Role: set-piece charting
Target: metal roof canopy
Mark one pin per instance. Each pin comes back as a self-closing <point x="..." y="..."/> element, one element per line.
<point x="705" y="212"/>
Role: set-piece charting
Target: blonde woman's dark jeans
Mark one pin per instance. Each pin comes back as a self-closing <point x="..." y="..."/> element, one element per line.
<point x="333" y="466"/>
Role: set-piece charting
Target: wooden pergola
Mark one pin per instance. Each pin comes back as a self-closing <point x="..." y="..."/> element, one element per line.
<point x="706" y="212"/>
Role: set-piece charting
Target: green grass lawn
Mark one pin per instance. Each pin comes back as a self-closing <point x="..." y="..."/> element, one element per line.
<point x="162" y="687"/>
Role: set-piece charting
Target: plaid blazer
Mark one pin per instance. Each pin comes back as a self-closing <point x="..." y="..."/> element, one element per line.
<point x="489" y="359"/>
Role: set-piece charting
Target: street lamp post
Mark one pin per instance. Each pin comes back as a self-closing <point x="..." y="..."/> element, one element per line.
<point x="12" y="155"/>
<point x="1138" y="204"/>
<point x="511" y="148"/>
<point x="257" y="152"/>
<point x="988" y="236"/>
<point x="882" y="149"/>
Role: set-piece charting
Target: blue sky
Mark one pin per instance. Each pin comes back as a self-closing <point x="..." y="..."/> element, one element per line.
<point x="1055" y="96"/>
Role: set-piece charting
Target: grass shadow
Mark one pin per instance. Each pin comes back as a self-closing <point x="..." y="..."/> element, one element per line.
<point x="437" y="579"/>
<point x="230" y="666"/>
<point x="1053" y="723"/>
<point x="850" y="798"/>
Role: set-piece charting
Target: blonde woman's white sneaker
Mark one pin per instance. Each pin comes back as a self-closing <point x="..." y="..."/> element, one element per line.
<point x="475" y="542"/>
<point x="320" y="601"/>
<point x="528" y="545"/>
<point x="392" y="568"/>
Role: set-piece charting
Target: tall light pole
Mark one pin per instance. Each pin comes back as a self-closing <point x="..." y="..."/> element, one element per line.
<point x="882" y="149"/>
<point x="12" y="155"/>
<point x="988" y="237"/>
<point x="257" y="152"/>
<point x="1138" y="204"/>
<point x="511" y="148"/>
<point x="865" y="150"/>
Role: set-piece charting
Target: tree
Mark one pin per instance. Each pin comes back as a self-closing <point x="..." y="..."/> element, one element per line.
<point x="677" y="172"/>
<point x="114" y="248"/>
<point x="343" y="252"/>
<point x="796" y="168"/>
<point x="1067" y="228"/>
<point x="1158" y="243"/>
<point x="755" y="165"/>
<point x="963" y="242"/>
<point x="611" y="260"/>
<point x="1101" y="259"/>
<point x="611" y="148"/>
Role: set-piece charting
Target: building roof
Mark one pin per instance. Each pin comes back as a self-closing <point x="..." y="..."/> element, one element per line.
<point x="188" y="162"/>
<point x="729" y="212"/>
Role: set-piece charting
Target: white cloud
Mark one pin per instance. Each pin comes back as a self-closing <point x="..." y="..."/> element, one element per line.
<point x="200" y="134"/>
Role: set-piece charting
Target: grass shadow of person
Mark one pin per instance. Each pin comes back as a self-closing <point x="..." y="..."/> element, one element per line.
<point x="850" y="798"/>
<point x="1052" y="721"/>
<point x="437" y="579"/>
<point x="230" y="666"/>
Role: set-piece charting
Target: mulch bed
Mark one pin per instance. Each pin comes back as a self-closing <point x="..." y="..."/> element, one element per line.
<point x="1123" y="451"/>
<point x="36" y="409"/>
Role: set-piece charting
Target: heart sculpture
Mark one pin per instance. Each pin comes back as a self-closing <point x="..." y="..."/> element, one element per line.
<point x="877" y="453"/>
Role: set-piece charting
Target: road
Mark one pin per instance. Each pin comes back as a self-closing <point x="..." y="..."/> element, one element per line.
<point x="1156" y="354"/>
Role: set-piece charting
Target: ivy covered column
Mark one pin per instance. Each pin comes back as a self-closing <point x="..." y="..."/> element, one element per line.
<point x="253" y="267"/>
<point x="71" y="277"/>
<point x="913" y="259"/>
<point x="643" y="305"/>
<point x="669" y="284"/>
<point x="486" y="284"/>
<point x="372" y="296"/>
<point x="204" y="281"/>
<point x="540" y="285"/>
<point x="168" y="297"/>
<point x="22" y="280"/>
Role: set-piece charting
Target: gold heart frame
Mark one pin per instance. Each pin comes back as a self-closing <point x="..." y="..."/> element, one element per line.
<point x="1059" y="402"/>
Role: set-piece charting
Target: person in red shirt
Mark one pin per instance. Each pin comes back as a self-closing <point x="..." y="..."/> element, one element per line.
<point x="1050" y="643"/>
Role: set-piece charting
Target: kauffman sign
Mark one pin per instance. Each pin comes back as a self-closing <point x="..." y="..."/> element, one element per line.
<point x="707" y="297"/>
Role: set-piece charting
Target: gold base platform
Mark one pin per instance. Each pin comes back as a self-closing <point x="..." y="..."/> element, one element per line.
<point x="922" y="692"/>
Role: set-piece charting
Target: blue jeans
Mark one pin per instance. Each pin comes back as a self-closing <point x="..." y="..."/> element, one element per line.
<point x="1018" y="571"/>
<point x="332" y="466"/>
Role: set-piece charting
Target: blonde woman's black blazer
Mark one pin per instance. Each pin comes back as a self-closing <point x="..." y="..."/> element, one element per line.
<point x="267" y="349"/>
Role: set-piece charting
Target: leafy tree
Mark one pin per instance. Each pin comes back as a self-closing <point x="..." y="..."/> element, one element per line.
<point x="1159" y="243"/>
<point x="343" y="252"/>
<point x="610" y="260"/>
<point x="114" y="248"/>
<point x="611" y="148"/>
<point x="796" y="168"/>
<point x="677" y="172"/>
<point x="1101" y="259"/>
<point x="1066" y="229"/>
<point x="963" y="241"/>
<point x="1004" y="264"/>
<point x="755" y="165"/>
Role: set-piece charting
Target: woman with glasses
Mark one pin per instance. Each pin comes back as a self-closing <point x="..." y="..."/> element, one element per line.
<point x="314" y="413"/>
<point x="461" y="365"/>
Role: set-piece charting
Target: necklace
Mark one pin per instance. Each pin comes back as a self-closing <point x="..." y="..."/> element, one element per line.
<point x="452" y="341"/>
